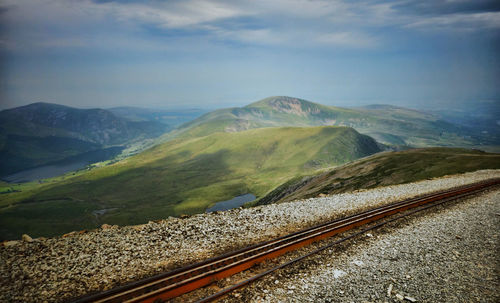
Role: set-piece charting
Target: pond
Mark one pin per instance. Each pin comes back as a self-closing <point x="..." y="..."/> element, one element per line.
<point x="64" y="166"/>
<point x="233" y="203"/>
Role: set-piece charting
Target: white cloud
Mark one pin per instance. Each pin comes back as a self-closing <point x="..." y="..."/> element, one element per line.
<point x="304" y="8"/>
<point x="347" y="39"/>
<point x="172" y="14"/>
<point x="459" y="22"/>
<point x="252" y="36"/>
<point x="308" y="23"/>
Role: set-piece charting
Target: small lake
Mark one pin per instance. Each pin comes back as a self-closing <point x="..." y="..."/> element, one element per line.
<point x="64" y="166"/>
<point x="233" y="203"/>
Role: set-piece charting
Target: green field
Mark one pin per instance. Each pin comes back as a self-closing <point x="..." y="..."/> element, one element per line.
<point x="183" y="176"/>
<point x="384" y="169"/>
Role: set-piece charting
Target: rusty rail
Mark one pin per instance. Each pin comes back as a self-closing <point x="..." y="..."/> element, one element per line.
<point x="172" y="284"/>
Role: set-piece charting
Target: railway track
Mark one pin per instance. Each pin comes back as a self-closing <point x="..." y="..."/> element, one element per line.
<point x="183" y="280"/>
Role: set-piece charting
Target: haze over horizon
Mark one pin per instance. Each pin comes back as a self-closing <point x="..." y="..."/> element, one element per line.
<point x="210" y="54"/>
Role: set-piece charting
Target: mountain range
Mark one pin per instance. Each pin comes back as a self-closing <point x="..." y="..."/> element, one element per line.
<point x="266" y="148"/>
<point x="43" y="133"/>
<point x="387" y="124"/>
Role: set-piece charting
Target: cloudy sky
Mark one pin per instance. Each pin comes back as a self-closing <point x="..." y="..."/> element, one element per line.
<point x="103" y="53"/>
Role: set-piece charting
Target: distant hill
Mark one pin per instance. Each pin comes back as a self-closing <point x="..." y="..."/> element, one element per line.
<point x="483" y="117"/>
<point x="42" y="133"/>
<point x="384" y="169"/>
<point x="387" y="124"/>
<point x="179" y="176"/>
<point x="172" y="118"/>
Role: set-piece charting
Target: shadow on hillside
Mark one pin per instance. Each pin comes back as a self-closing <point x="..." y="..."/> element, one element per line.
<point x="138" y="194"/>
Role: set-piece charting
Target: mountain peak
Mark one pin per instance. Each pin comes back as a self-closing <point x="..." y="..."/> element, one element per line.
<point x="278" y="100"/>
<point x="38" y="106"/>
<point x="289" y="105"/>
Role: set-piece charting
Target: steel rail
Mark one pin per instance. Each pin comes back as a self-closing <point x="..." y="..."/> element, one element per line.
<point x="183" y="280"/>
<point x="155" y="280"/>
<point x="238" y="285"/>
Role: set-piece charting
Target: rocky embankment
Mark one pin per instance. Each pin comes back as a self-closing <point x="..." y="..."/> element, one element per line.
<point x="56" y="269"/>
<point x="446" y="254"/>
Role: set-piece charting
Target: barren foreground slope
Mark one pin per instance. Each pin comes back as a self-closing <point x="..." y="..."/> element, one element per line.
<point x="59" y="268"/>
<point x="447" y="254"/>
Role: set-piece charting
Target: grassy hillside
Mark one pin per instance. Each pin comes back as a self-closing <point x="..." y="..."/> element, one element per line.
<point x="384" y="169"/>
<point x="180" y="176"/>
<point x="387" y="124"/>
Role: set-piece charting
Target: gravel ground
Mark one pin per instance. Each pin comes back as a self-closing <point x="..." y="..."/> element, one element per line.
<point x="56" y="269"/>
<point x="448" y="255"/>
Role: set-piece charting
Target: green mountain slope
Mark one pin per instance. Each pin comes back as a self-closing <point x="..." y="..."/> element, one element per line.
<point x="384" y="169"/>
<point x="180" y="176"/>
<point x="42" y="133"/>
<point x="387" y="124"/>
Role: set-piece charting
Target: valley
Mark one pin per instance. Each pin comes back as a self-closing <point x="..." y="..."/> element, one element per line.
<point x="277" y="149"/>
<point x="42" y="133"/>
<point x="62" y="167"/>
<point x="182" y="176"/>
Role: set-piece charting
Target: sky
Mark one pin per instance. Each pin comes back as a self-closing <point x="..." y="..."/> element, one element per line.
<point x="212" y="54"/>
